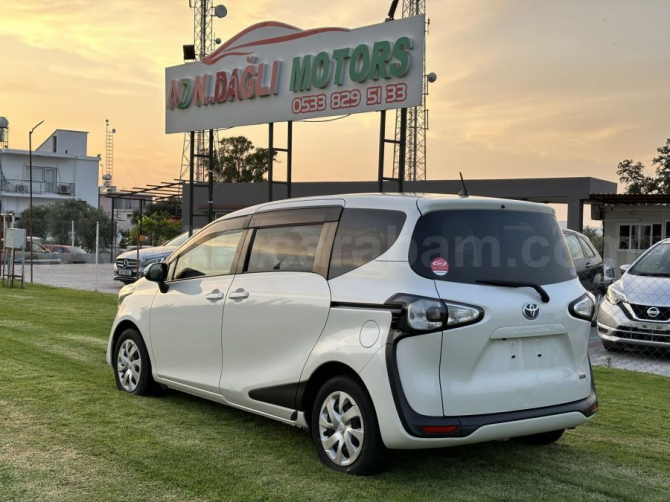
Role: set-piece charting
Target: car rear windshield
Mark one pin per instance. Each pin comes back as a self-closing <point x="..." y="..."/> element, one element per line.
<point x="469" y="246"/>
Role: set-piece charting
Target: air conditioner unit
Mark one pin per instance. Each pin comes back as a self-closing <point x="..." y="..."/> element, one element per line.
<point x="65" y="189"/>
<point x="21" y="188"/>
<point x="597" y="212"/>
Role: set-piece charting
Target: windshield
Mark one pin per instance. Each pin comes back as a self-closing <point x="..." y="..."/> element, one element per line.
<point x="655" y="263"/>
<point x="177" y="241"/>
<point x="471" y="246"/>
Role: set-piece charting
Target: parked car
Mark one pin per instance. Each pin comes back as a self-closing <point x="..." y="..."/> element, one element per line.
<point x="125" y="266"/>
<point x="68" y="254"/>
<point x="376" y="321"/>
<point x="41" y="255"/>
<point x="636" y="311"/>
<point x="588" y="264"/>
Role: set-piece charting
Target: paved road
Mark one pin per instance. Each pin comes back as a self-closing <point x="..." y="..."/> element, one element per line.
<point x="77" y="276"/>
<point x="645" y="361"/>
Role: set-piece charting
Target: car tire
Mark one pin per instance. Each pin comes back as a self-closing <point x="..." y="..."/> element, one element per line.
<point x="132" y="367"/>
<point x="343" y="418"/>
<point x="542" y="439"/>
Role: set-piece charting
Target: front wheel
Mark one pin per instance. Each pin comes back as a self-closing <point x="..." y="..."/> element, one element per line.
<point x="541" y="439"/>
<point x="344" y="428"/>
<point x="133" y="368"/>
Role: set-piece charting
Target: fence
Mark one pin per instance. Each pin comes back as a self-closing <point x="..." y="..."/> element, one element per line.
<point x="70" y="255"/>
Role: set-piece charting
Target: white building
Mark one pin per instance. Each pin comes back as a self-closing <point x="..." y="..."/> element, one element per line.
<point x="123" y="207"/>
<point x="631" y="224"/>
<point x="62" y="169"/>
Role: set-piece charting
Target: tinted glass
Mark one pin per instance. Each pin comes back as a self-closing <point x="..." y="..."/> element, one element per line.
<point x="362" y="236"/>
<point x="213" y="256"/>
<point x="655" y="263"/>
<point x="575" y="248"/>
<point x="466" y="246"/>
<point x="588" y="252"/>
<point x="281" y="249"/>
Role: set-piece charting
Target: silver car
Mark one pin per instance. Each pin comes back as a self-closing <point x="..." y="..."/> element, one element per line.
<point x="636" y="309"/>
<point x="125" y="266"/>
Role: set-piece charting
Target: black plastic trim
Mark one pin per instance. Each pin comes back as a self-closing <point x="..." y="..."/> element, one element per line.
<point x="298" y="216"/>
<point x="280" y="395"/>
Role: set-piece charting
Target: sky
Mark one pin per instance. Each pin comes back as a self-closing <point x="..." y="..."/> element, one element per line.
<point x="525" y="88"/>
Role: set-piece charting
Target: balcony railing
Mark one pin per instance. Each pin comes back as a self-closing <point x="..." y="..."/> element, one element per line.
<point x="39" y="187"/>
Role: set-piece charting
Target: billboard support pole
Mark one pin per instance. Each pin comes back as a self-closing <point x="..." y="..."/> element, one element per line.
<point x="382" y="144"/>
<point x="401" y="143"/>
<point x="210" y="179"/>
<point x="191" y="167"/>
<point x="289" y="161"/>
<point x="271" y="158"/>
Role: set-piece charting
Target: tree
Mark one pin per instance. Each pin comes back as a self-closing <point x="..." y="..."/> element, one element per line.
<point x="596" y="239"/>
<point x="632" y="173"/>
<point x="159" y="227"/>
<point x="170" y="206"/>
<point x="240" y="162"/>
<point x="53" y="223"/>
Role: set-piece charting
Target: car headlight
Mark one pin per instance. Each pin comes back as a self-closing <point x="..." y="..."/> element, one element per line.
<point x="584" y="307"/>
<point x="125" y="292"/>
<point x="145" y="264"/>
<point x="615" y="295"/>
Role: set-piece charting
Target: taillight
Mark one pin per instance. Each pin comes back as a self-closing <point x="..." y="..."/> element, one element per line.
<point x="430" y="314"/>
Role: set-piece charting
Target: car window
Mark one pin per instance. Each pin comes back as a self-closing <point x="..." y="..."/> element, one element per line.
<point x="362" y="236"/>
<point x="213" y="256"/>
<point x="588" y="252"/>
<point x="291" y="248"/>
<point x="471" y="246"/>
<point x="575" y="248"/>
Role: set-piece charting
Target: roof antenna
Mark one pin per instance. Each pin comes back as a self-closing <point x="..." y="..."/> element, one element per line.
<point x="463" y="193"/>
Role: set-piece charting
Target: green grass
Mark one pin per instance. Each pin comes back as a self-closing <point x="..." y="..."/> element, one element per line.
<point x="66" y="433"/>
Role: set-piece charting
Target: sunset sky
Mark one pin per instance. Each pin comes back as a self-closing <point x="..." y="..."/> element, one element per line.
<point x="526" y="88"/>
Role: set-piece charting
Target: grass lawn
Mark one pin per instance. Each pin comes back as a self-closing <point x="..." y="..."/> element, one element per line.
<point x="67" y="433"/>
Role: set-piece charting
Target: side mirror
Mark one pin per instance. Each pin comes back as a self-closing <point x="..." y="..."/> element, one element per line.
<point x="623" y="268"/>
<point x="157" y="272"/>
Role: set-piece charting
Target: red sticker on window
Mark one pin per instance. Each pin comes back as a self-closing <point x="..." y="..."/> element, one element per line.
<point x="439" y="266"/>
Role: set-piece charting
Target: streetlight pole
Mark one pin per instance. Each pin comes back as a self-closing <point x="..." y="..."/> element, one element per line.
<point x="30" y="211"/>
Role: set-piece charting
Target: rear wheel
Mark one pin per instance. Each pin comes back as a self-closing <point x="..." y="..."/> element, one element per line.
<point x="344" y="428"/>
<point x="133" y="368"/>
<point x="541" y="439"/>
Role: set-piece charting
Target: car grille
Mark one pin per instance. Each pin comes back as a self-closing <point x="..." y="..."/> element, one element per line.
<point x="126" y="263"/>
<point x="638" y="334"/>
<point x="642" y="312"/>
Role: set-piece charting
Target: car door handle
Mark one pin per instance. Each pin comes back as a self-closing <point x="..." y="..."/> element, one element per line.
<point x="239" y="295"/>
<point x="214" y="296"/>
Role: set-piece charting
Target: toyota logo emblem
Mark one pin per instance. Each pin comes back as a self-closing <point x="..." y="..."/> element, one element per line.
<point x="653" y="312"/>
<point x="531" y="311"/>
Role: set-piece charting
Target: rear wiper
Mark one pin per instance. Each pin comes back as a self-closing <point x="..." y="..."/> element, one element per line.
<point x="513" y="284"/>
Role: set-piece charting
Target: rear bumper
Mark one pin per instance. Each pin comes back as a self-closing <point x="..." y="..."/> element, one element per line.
<point x="463" y="426"/>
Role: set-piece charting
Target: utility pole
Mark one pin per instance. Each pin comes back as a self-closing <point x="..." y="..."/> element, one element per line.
<point x="30" y="211"/>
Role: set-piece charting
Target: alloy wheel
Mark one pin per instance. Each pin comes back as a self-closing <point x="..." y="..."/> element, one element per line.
<point x="129" y="365"/>
<point x="341" y="428"/>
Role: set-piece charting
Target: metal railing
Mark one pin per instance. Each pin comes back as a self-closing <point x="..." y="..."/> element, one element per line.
<point x="39" y="187"/>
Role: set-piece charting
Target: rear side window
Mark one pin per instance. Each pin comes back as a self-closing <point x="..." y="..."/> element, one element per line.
<point x="575" y="248"/>
<point x="362" y="236"/>
<point x="588" y="251"/>
<point x="467" y="246"/>
<point x="285" y="249"/>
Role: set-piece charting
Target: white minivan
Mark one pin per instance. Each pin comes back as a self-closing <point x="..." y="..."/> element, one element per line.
<point x="375" y="320"/>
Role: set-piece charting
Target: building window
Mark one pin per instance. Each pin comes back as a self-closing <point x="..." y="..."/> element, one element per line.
<point x="639" y="237"/>
<point x="44" y="178"/>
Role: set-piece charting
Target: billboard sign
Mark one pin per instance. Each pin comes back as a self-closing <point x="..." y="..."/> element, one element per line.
<point x="274" y="72"/>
